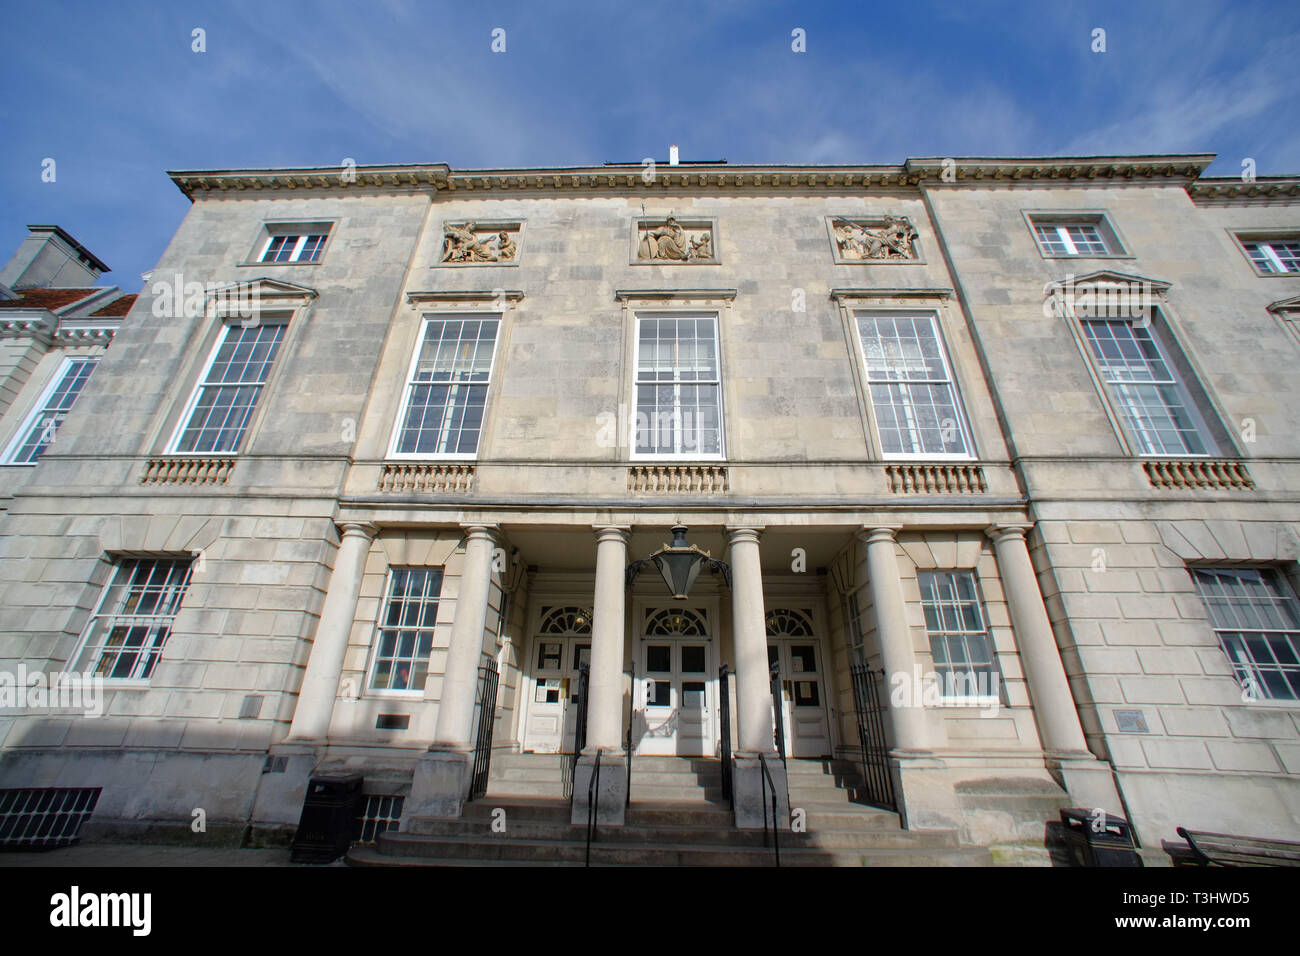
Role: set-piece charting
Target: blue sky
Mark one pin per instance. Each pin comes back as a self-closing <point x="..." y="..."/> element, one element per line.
<point x="115" y="95"/>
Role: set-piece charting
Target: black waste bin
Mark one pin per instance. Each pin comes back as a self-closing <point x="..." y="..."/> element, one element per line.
<point x="325" y="829"/>
<point x="1095" y="840"/>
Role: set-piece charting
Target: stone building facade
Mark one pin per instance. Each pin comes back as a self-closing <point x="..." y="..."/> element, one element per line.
<point x="1015" y="436"/>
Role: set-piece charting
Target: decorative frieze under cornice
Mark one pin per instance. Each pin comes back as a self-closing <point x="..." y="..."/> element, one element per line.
<point x="1235" y="189"/>
<point x="915" y="173"/>
<point x="47" y="332"/>
<point x="327" y="177"/>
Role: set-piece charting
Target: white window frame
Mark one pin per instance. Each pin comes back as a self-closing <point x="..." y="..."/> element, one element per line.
<point x="1190" y="405"/>
<point x="151" y="620"/>
<point x="963" y="425"/>
<point x="227" y="325"/>
<point x="41" y="408"/>
<point x="721" y="454"/>
<point x="380" y="627"/>
<point x="1285" y="594"/>
<point x="1061" y="220"/>
<point x="410" y="383"/>
<point x="994" y="668"/>
<point x="300" y="232"/>
<point x="1270" y="255"/>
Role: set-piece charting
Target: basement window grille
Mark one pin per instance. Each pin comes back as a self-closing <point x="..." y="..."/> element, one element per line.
<point x="378" y="813"/>
<point x="44" y="817"/>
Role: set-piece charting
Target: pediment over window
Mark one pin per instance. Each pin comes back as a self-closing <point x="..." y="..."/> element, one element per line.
<point x="1108" y="277"/>
<point x="250" y="297"/>
<point x="1285" y="305"/>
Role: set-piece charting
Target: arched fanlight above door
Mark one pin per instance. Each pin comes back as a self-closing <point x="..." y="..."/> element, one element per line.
<point x="676" y="622"/>
<point x="569" y="619"/>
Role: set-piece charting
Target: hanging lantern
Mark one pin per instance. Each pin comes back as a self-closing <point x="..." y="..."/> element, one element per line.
<point x="680" y="563"/>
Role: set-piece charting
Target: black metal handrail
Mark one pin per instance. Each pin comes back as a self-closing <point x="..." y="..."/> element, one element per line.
<point x="487" y="701"/>
<point x="878" y="782"/>
<point x="778" y="710"/>
<point x="724" y="707"/>
<point x="593" y="798"/>
<point x="627" y="746"/>
<point x="766" y="783"/>
<point x="579" y="730"/>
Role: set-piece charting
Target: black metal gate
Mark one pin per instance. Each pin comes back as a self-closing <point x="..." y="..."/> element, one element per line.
<point x="778" y="709"/>
<point x="871" y="736"/>
<point x="579" y="731"/>
<point x="487" y="704"/>
<point x="724" y="711"/>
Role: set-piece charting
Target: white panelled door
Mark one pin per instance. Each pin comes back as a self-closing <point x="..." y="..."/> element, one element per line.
<point x="792" y="644"/>
<point x="676" y="688"/>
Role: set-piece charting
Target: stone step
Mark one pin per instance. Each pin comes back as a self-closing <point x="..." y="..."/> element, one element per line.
<point x="527" y="773"/>
<point x="451" y="850"/>
<point x="506" y="789"/>
<point x="720" y="837"/>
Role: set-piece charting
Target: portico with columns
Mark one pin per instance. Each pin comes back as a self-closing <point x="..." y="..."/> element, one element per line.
<point x="503" y="582"/>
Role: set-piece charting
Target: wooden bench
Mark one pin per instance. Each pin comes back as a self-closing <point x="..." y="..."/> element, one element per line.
<point x="1224" y="849"/>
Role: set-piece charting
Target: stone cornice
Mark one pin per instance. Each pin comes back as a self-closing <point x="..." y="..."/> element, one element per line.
<point x="911" y="175"/>
<point x="936" y="171"/>
<point x="423" y="176"/>
<point x="1235" y="189"/>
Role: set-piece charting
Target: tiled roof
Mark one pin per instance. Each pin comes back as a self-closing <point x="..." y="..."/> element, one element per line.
<point x="46" y="298"/>
<point x="117" y="307"/>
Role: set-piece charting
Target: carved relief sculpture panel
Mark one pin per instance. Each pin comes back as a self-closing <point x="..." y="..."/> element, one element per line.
<point x="891" y="239"/>
<point x="480" y="243"/>
<point x="666" y="241"/>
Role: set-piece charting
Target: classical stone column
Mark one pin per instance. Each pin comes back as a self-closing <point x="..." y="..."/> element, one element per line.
<point x="441" y="780"/>
<point x="751" y="793"/>
<point x="311" y="717"/>
<point x="605" y="692"/>
<point x="749" y="644"/>
<point x="895" y="637"/>
<point x="605" y="689"/>
<point x="1058" y="721"/>
<point x="464" y="654"/>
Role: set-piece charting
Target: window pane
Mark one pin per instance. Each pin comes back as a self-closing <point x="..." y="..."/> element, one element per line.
<point x="959" y="640"/>
<point x="1257" y="620"/>
<point x="126" y="635"/>
<point x="678" y="394"/>
<point x="228" y="394"/>
<point x="45" y="423"/>
<point x="1146" y="389"/>
<point x="448" y="390"/>
<point x="401" y="653"/>
<point x="912" y="394"/>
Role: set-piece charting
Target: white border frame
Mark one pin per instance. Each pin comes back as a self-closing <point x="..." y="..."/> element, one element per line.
<point x="30" y="419"/>
<point x="288" y="227"/>
<point x="963" y="421"/>
<point x="716" y="316"/>
<point x="403" y="402"/>
<point x="227" y="323"/>
<point x="388" y="693"/>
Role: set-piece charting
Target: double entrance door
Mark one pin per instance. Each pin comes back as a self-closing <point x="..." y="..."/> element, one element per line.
<point x="553" y="710"/>
<point x="800" y="695"/>
<point x="675" y="701"/>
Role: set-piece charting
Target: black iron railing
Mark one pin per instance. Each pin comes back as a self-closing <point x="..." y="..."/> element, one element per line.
<point x="579" y="730"/>
<point x="627" y="745"/>
<point x="778" y="709"/>
<point x="724" y="712"/>
<point x="488" y="677"/>
<point x="593" y="799"/>
<point x="871" y="737"/>
<point x="768" y="786"/>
